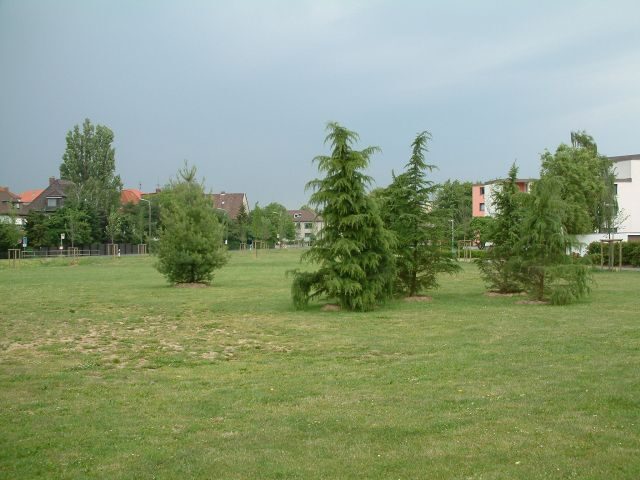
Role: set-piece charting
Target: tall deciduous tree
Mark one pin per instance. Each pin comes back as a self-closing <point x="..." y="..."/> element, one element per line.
<point x="114" y="225"/>
<point x="260" y="224"/>
<point x="10" y="233"/>
<point x="89" y="162"/>
<point x="421" y="251"/>
<point x="37" y="230"/>
<point x="586" y="185"/>
<point x="547" y="271"/>
<point x="453" y="199"/>
<point x="282" y="226"/>
<point x="500" y="267"/>
<point x="190" y="247"/>
<point x="354" y="255"/>
<point x="76" y="225"/>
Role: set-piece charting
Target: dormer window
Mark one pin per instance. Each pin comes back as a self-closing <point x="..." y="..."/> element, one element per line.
<point x="53" y="202"/>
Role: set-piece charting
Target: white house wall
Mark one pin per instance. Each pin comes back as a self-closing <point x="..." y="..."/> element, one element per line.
<point x="489" y="191"/>
<point x="628" y="174"/>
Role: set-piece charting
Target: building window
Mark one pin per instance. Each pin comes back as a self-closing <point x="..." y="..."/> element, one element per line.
<point x="615" y="188"/>
<point x="52" y="202"/>
<point x="481" y="190"/>
<point x="308" y="225"/>
<point x="482" y="207"/>
<point x="297" y="215"/>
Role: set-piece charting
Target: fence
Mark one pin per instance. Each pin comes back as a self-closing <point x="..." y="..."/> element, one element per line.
<point x="95" y="249"/>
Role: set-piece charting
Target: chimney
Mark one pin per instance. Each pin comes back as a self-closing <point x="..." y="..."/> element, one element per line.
<point x="52" y="180"/>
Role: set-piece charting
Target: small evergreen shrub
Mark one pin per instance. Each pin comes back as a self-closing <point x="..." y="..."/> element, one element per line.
<point x="190" y="246"/>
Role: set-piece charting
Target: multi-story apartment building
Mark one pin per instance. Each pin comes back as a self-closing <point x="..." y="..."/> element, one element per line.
<point x="627" y="185"/>
<point x="482" y="195"/>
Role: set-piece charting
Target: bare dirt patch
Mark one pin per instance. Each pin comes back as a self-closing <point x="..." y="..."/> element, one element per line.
<point x="191" y="285"/>
<point x="418" y="298"/>
<point x="330" y="307"/>
<point x="532" y="302"/>
<point x="210" y="355"/>
<point x="498" y="294"/>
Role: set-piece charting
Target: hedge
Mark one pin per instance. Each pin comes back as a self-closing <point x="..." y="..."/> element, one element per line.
<point x="630" y="253"/>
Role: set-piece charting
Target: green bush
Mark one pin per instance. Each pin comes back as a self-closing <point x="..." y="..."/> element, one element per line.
<point x="478" y="253"/>
<point x="630" y="253"/>
<point x="568" y="283"/>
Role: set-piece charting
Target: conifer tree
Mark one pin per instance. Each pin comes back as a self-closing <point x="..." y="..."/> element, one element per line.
<point x="547" y="271"/>
<point x="190" y="247"/>
<point x="419" y="250"/>
<point x="500" y="268"/>
<point x="354" y="253"/>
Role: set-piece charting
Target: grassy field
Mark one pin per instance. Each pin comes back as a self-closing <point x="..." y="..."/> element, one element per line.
<point x="107" y="372"/>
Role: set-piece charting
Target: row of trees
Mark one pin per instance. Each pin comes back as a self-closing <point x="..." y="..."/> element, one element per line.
<point x="93" y="214"/>
<point x="373" y="245"/>
<point x="392" y="241"/>
<point x="532" y="234"/>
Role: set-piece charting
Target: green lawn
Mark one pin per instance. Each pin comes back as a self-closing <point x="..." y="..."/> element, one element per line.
<point x="107" y="372"/>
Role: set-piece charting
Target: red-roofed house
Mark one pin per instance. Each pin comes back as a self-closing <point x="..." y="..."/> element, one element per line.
<point x="130" y="195"/>
<point x="29" y="196"/>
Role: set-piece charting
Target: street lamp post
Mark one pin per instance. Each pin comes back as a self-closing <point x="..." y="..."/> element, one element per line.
<point x="149" y="202"/>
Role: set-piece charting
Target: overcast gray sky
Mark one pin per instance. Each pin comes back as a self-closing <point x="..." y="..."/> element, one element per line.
<point x="243" y="89"/>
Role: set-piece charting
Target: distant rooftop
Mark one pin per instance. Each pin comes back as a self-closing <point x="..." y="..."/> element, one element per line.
<point x="30" y="195"/>
<point x="130" y="195"/>
<point x="304" y="216"/>
<point x="622" y="158"/>
<point x="518" y="180"/>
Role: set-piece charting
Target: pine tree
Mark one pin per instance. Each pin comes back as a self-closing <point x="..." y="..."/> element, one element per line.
<point x="190" y="246"/>
<point x="500" y="267"/>
<point x="547" y="271"/>
<point x="354" y="252"/>
<point x="419" y="250"/>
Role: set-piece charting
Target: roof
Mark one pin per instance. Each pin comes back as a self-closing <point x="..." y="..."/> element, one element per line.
<point x="7" y="199"/>
<point x="622" y="158"/>
<point x="7" y="195"/>
<point x="230" y="203"/>
<point x="497" y="180"/>
<point x="130" y="195"/>
<point x="30" y="195"/>
<point x="57" y="188"/>
<point x="304" y="216"/>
